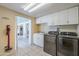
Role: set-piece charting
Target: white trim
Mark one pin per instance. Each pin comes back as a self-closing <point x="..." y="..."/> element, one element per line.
<point x="30" y="33"/>
<point x="15" y="31"/>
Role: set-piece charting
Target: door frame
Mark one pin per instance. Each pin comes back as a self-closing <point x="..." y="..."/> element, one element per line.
<point x="30" y="31"/>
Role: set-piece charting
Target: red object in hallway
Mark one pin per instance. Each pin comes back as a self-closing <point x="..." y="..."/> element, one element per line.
<point x="8" y="34"/>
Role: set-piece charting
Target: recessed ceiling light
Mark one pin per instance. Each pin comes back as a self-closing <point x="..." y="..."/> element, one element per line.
<point x="36" y="7"/>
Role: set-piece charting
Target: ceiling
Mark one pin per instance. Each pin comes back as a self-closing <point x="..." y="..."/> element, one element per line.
<point x="47" y="9"/>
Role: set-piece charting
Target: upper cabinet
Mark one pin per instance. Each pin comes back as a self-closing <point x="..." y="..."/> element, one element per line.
<point x="73" y="15"/>
<point x="50" y="20"/>
<point x="41" y="20"/>
<point x="66" y="17"/>
<point x="62" y="18"/>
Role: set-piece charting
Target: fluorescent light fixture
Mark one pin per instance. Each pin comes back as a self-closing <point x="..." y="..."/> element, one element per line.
<point x="36" y="7"/>
<point x="29" y="6"/>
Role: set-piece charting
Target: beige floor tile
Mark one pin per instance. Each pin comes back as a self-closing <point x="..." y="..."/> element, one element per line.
<point x="31" y="51"/>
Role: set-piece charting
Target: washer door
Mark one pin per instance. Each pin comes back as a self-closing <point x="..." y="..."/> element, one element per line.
<point x="66" y="46"/>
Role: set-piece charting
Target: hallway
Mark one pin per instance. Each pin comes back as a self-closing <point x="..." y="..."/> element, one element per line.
<point x="23" y="33"/>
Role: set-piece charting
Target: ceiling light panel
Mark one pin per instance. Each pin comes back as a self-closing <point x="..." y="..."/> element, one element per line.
<point x="29" y="6"/>
<point x="36" y="7"/>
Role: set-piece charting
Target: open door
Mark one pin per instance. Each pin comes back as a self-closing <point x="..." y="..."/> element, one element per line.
<point x="23" y="32"/>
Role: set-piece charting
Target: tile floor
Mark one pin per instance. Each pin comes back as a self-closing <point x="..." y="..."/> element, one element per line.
<point x="30" y="51"/>
<point x="24" y="49"/>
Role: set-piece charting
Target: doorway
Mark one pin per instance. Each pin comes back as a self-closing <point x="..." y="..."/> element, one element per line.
<point x="23" y="32"/>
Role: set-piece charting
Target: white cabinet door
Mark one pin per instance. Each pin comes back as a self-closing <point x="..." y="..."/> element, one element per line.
<point x="38" y="39"/>
<point x="50" y="20"/>
<point x="38" y="21"/>
<point x="45" y="19"/>
<point x="59" y="20"/>
<point x="55" y="19"/>
<point x="73" y="15"/>
<point x="35" y="39"/>
<point x="41" y="20"/>
<point x="62" y="18"/>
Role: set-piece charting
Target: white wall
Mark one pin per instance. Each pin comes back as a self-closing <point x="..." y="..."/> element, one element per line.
<point x="69" y="28"/>
<point x="45" y="28"/>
